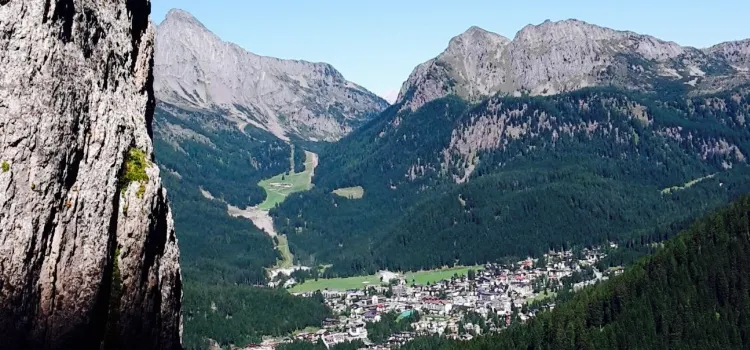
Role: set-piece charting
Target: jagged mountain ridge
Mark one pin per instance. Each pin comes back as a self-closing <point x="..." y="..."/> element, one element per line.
<point x="195" y="69"/>
<point x="88" y="252"/>
<point x="555" y="57"/>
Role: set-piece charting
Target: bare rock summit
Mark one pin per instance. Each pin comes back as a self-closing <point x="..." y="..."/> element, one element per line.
<point x="88" y="253"/>
<point x="556" y="57"/>
<point x="195" y="69"/>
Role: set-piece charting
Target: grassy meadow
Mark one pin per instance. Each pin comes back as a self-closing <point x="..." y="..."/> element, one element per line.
<point x="280" y="186"/>
<point x="350" y="192"/>
<point x="359" y="282"/>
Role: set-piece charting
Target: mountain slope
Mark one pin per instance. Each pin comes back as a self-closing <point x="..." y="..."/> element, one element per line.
<point x="494" y="133"/>
<point x="223" y="257"/>
<point x="453" y="182"/>
<point x="555" y="57"/>
<point x="226" y="119"/>
<point x="88" y="252"/>
<point x="195" y="69"/>
<point x="692" y="294"/>
<point x="209" y="163"/>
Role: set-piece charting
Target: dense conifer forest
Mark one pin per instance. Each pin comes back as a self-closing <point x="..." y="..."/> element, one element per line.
<point x="241" y="315"/>
<point x="586" y="167"/>
<point x="303" y="345"/>
<point x="571" y="177"/>
<point x="224" y="258"/>
<point x="694" y="293"/>
<point x="199" y="152"/>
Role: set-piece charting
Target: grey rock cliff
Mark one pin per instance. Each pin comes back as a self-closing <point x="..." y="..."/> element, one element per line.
<point x="555" y="57"/>
<point x="88" y="253"/>
<point x="735" y="52"/>
<point x="195" y="69"/>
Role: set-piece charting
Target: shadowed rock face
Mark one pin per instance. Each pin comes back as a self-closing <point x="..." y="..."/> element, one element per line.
<point x="88" y="254"/>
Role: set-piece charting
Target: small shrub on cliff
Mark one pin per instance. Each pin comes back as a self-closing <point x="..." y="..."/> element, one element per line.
<point x="6" y="167"/>
<point x="135" y="170"/>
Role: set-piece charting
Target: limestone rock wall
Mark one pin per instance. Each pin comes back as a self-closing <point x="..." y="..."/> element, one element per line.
<point x="88" y="253"/>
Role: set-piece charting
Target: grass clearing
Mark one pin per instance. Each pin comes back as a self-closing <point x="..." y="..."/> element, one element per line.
<point x="280" y="186"/>
<point x="307" y="330"/>
<point x="432" y="276"/>
<point x="687" y="185"/>
<point x="343" y="284"/>
<point x="339" y="284"/>
<point x="543" y="296"/>
<point x="287" y="259"/>
<point x="356" y="192"/>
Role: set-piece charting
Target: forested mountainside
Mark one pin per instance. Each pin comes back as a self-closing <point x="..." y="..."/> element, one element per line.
<point x="556" y="57"/>
<point x="458" y="183"/>
<point x="195" y="69"/>
<point x="692" y="294"/>
<point x="226" y="119"/>
<point x="207" y="163"/>
<point x="449" y="175"/>
<point x="238" y="315"/>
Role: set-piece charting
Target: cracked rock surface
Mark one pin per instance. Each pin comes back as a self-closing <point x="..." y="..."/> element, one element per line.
<point x="88" y="253"/>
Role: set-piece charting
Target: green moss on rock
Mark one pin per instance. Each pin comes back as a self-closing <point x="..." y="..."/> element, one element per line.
<point x="135" y="170"/>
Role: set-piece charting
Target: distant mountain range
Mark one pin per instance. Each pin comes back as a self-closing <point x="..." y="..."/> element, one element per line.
<point x="196" y="70"/>
<point x="556" y="57"/>
<point x="569" y="134"/>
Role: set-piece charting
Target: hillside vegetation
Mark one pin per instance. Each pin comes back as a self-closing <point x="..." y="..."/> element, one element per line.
<point x="458" y="183"/>
<point x="692" y="294"/>
<point x="282" y="185"/>
<point x="240" y="315"/>
<point x="356" y="192"/>
<point x="224" y="258"/>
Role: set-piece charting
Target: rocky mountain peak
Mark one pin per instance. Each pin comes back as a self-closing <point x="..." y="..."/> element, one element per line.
<point x="559" y="56"/>
<point x="474" y="39"/>
<point x="465" y="64"/>
<point x="178" y="15"/>
<point x="476" y="35"/>
<point x="570" y="29"/>
<point x="88" y="252"/>
<point x="195" y="69"/>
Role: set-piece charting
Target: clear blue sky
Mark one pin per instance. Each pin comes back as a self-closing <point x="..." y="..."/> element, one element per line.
<point x="377" y="43"/>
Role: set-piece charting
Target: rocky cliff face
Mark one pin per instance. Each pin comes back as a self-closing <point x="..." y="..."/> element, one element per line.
<point x="195" y="69"/>
<point x="88" y="254"/>
<point x="498" y="125"/>
<point x="556" y="57"/>
<point x="735" y="52"/>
